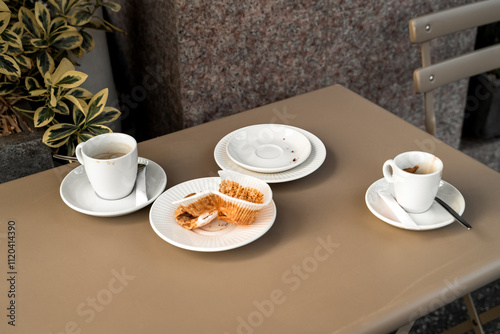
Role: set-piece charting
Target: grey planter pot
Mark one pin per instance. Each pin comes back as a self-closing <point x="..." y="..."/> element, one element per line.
<point x="23" y="154"/>
<point x="482" y="114"/>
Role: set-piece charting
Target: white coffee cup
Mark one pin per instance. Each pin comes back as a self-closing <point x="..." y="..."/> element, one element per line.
<point x="415" y="192"/>
<point x="110" y="162"/>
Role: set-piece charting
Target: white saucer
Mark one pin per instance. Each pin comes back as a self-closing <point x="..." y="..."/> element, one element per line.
<point x="311" y="164"/>
<point x="435" y="217"/>
<point x="268" y="148"/>
<point x="78" y="194"/>
<point x="214" y="237"/>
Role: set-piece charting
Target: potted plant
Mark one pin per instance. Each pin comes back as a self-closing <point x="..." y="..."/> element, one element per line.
<point x="482" y="114"/>
<point x="39" y="86"/>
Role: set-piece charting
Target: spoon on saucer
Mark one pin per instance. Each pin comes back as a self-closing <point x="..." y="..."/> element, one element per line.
<point x="453" y="212"/>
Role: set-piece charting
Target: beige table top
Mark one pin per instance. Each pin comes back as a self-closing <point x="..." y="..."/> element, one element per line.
<point x="326" y="266"/>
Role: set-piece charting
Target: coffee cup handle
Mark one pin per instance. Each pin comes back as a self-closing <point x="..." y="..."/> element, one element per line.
<point x="78" y="152"/>
<point x="386" y="170"/>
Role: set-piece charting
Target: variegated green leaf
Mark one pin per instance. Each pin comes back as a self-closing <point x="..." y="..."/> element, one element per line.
<point x="74" y="101"/>
<point x="78" y="116"/>
<point x="64" y="6"/>
<point x="55" y="4"/>
<point x="7" y="87"/>
<point x="71" y="4"/>
<point x="4" y="7"/>
<point x="64" y="66"/>
<point x="85" y="3"/>
<point x="31" y="83"/>
<point x="79" y="18"/>
<point x="47" y="80"/>
<point x="43" y="116"/>
<point x="3" y="46"/>
<point x="77" y="52"/>
<point x="67" y="40"/>
<point x="61" y="108"/>
<point x="71" y="79"/>
<point x="56" y="23"/>
<point x="24" y="62"/>
<point x="88" y="43"/>
<point x="11" y="78"/>
<point x="28" y="48"/>
<point x="80" y="93"/>
<point x="45" y="63"/>
<point x="12" y="38"/>
<point x="37" y="91"/>
<point x="97" y="104"/>
<point x="85" y="106"/>
<point x="84" y="136"/>
<point x="53" y="98"/>
<point x="39" y="43"/>
<point x="42" y="16"/>
<point x="13" y="50"/>
<point x="62" y="29"/>
<point x="111" y="5"/>
<point x="58" y="134"/>
<point x="95" y="24"/>
<point x="8" y="66"/>
<point x="17" y="28"/>
<point x="4" y="20"/>
<point x="70" y="145"/>
<point x="29" y="21"/>
<point x="98" y="129"/>
<point x="109" y="114"/>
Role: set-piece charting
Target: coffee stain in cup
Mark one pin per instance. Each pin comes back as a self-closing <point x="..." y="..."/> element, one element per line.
<point x="412" y="170"/>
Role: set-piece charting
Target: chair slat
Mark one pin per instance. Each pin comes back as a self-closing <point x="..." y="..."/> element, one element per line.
<point x="427" y="27"/>
<point x="454" y="69"/>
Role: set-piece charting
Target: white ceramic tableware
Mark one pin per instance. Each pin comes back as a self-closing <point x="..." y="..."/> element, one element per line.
<point x="434" y="218"/>
<point x="78" y="194"/>
<point x="214" y="237"/>
<point x="414" y="191"/>
<point x="312" y="163"/>
<point x="110" y="162"/>
<point x="268" y="148"/>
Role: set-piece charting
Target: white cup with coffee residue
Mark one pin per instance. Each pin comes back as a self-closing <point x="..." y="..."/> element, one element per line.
<point x="415" y="176"/>
<point x="110" y="162"/>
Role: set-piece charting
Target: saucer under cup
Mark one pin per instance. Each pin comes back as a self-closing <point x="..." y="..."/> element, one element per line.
<point x="268" y="148"/>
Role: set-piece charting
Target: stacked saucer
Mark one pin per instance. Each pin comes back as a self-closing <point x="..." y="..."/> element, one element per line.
<point x="271" y="152"/>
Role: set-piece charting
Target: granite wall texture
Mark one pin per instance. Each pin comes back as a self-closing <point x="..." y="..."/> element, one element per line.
<point x="185" y="62"/>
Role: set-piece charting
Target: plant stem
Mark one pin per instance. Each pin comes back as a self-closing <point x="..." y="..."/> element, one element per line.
<point x="19" y="117"/>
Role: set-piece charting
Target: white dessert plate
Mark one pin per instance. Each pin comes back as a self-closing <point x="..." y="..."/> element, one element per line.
<point x="214" y="237"/>
<point x="78" y="194"/>
<point x="268" y="148"/>
<point x="435" y="217"/>
<point x="312" y="163"/>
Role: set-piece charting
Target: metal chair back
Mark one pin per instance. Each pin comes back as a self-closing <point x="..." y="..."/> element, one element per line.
<point x="425" y="28"/>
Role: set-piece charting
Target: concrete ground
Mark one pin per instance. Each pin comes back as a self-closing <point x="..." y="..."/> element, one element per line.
<point x="455" y="313"/>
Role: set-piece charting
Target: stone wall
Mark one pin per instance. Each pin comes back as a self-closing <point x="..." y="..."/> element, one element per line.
<point x="23" y="154"/>
<point x="186" y="62"/>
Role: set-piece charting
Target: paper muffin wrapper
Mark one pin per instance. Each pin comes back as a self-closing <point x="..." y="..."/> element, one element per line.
<point x="200" y="203"/>
<point x="230" y="209"/>
<point x="193" y="198"/>
<point x="250" y="182"/>
<point x="238" y="211"/>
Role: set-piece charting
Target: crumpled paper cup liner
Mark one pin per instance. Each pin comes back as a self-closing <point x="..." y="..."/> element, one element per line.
<point x="200" y="203"/>
<point x="238" y="210"/>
